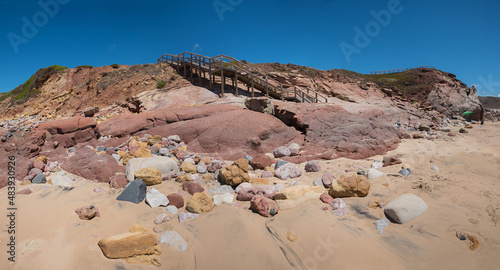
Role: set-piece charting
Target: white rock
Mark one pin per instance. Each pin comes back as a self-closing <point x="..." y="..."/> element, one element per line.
<point x="242" y="186"/>
<point x="173" y="239"/>
<point x="435" y="168"/>
<point x="318" y="182"/>
<point x="224" y="189"/>
<point x="172" y="209"/>
<point x="287" y="171"/>
<point x="60" y="179"/>
<point x="373" y="174"/>
<point x="377" y="164"/>
<point x="225" y="198"/>
<point x="405" y="208"/>
<point x="166" y="165"/>
<point x="279" y="187"/>
<point x="116" y="156"/>
<point x="155" y="198"/>
<point x="174" y="138"/>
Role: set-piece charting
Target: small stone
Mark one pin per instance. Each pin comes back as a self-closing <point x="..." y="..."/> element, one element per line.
<point x="282" y="151"/>
<point x="389" y="161"/>
<point x="461" y="236"/>
<point x="435" y="168"/>
<point x="242" y="186"/>
<point x="188" y="167"/>
<point x="87" y="212"/>
<point x="97" y="189"/>
<point x="134" y="192"/>
<point x="462" y="130"/>
<point x="279" y="187"/>
<point x="318" y="182"/>
<point x="264" y="206"/>
<point x="312" y="166"/>
<point x="182" y="178"/>
<point x="162" y="218"/>
<point x="201" y="168"/>
<point x="288" y="171"/>
<point x="176" y="200"/>
<point x="350" y="186"/>
<point x="39" y="179"/>
<point x="174" y="138"/>
<point x="261" y="161"/>
<point x="375" y="204"/>
<point x="326" y="198"/>
<point x="59" y="179"/>
<point x="200" y="203"/>
<point x="339" y="207"/>
<point x="263" y="181"/>
<point x="294" y="146"/>
<point x="327" y="179"/>
<point x="25" y="191"/>
<point x="279" y="164"/>
<point x="150" y="175"/>
<point x="224" y="189"/>
<point x="223" y="199"/>
<point x="246" y="194"/>
<point x="186" y="216"/>
<point x="266" y="174"/>
<point x="172" y="209"/>
<point x="292" y="237"/>
<point x="155" y="198"/>
<point x="377" y="165"/>
<point x="372" y="174"/>
<point x="404" y="172"/>
<point x="39" y="165"/>
<point x="381" y="224"/>
<point x="173" y="239"/>
<point x="192" y="187"/>
<point x="248" y="157"/>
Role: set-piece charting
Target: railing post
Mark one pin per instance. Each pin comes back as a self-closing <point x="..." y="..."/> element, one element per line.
<point x="222" y="79"/>
<point x="267" y="87"/>
<point x="251" y="79"/>
<point x="210" y="74"/>
<point x="199" y="71"/>
<point x="236" y="81"/>
<point x="191" y="68"/>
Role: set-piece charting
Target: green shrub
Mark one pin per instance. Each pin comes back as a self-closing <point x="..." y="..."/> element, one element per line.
<point x="115" y="66"/>
<point x="160" y="84"/>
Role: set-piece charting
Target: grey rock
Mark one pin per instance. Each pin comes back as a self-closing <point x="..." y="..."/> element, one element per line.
<point x="172" y="209"/>
<point x="249" y="158"/>
<point x="312" y="166"/>
<point x="135" y="192"/>
<point x="435" y="168"/>
<point x="173" y="239"/>
<point x="279" y="164"/>
<point x="186" y="216"/>
<point x="288" y="171"/>
<point x="381" y="224"/>
<point x="404" y="172"/>
<point x="282" y="151"/>
<point x="155" y="198"/>
<point x="318" y="182"/>
<point x="39" y="179"/>
<point x="224" y="189"/>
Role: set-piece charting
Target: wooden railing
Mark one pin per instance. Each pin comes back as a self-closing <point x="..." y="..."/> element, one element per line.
<point x="398" y="70"/>
<point x="254" y="78"/>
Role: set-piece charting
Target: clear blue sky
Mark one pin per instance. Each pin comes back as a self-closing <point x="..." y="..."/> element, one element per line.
<point x="461" y="37"/>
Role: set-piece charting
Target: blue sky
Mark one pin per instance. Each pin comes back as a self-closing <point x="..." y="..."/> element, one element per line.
<point x="461" y="37"/>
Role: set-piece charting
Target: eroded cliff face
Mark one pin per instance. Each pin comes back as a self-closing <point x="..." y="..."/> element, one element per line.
<point x="70" y="90"/>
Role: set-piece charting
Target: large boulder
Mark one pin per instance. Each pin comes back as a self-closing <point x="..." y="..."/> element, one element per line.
<point x="352" y="136"/>
<point x="166" y="165"/>
<point x="351" y="185"/>
<point x="236" y="173"/>
<point x="405" y="208"/>
<point x="87" y="164"/>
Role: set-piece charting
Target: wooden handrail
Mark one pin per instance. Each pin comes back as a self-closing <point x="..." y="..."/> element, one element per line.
<point x="254" y="73"/>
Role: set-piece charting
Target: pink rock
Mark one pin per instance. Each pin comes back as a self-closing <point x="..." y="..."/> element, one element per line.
<point x="287" y="171"/>
<point x="312" y="166"/>
<point x="192" y="188"/>
<point x="264" y="206"/>
<point x="87" y="164"/>
<point x="327" y="179"/>
<point x="186" y="216"/>
<point x="98" y="190"/>
<point x="266" y="174"/>
<point x="25" y="191"/>
<point x="246" y="194"/>
<point x="339" y="207"/>
<point x="326" y="198"/>
<point x="87" y="212"/>
<point x="162" y="219"/>
<point x="39" y="165"/>
<point x="118" y="181"/>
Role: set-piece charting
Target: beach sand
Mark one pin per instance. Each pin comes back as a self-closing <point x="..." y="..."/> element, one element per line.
<point x="464" y="195"/>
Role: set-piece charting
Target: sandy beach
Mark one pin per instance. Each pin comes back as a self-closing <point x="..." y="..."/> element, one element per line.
<point x="464" y="195"/>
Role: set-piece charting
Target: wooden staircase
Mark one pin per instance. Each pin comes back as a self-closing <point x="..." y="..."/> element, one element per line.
<point x="193" y="66"/>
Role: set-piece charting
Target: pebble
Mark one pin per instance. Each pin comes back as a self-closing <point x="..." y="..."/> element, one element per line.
<point x="318" y="182"/>
<point x="377" y="164"/>
<point x="249" y="158"/>
<point x="372" y="174"/>
<point x="279" y="164"/>
<point x="282" y="151"/>
<point x="186" y="216"/>
<point x="279" y="187"/>
<point x="312" y="166"/>
<point x="162" y="219"/>
<point x="135" y="192"/>
<point x="435" y="168"/>
<point x="224" y="189"/>
<point x="404" y="172"/>
<point x="223" y="199"/>
<point x="339" y="207"/>
<point x="39" y="179"/>
<point x="172" y="209"/>
<point x="96" y="190"/>
<point x="201" y="167"/>
<point x="155" y="198"/>
<point x="381" y="224"/>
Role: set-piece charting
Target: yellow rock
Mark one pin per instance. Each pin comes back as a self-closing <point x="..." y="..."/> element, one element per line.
<point x="43" y="159"/>
<point x="127" y="157"/>
<point x="200" y="203"/>
<point x="149" y="175"/>
<point x="143" y="144"/>
<point x="184" y="148"/>
<point x="188" y="167"/>
<point x="207" y="160"/>
<point x="264" y="181"/>
<point x="269" y="169"/>
<point x="129" y="244"/>
<point x="142" y="153"/>
<point x="292" y="196"/>
<point x="208" y="176"/>
<point x="292" y="237"/>
<point x="182" y="178"/>
<point x="122" y="153"/>
<point x="134" y="142"/>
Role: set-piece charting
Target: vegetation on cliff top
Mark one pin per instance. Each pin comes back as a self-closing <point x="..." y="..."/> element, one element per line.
<point x="31" y="86"/>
